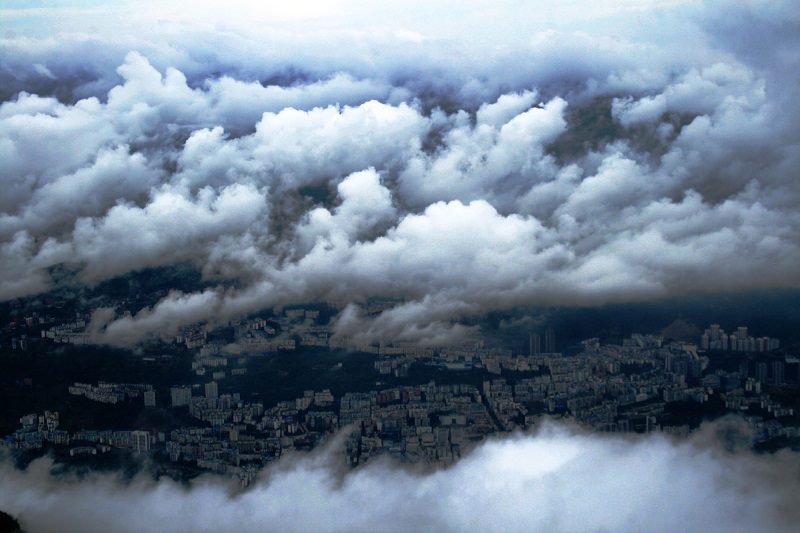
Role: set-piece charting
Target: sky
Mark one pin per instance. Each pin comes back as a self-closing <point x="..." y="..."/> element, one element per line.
<point x="467" y="156"/>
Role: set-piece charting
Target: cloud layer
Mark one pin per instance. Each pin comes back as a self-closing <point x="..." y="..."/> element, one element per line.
<point x="556" y="480"/>
<point x="585" y="155"/>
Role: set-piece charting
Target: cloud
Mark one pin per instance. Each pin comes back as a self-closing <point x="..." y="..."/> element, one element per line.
<point x="425" y="322"/>
<point x="556" y="479"/>
<point x="365" y="204"/>
<point x="41" y="139"/>
<point x="497" y="159"/>
<point x="578" y="156"/>
<point x="165" y="319"/>
<point x="103" y="243"/>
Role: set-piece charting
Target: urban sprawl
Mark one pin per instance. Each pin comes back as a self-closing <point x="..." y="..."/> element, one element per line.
<point x="606" y="387"/>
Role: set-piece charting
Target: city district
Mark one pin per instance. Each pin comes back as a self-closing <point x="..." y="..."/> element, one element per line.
<point x="419" y="404"/>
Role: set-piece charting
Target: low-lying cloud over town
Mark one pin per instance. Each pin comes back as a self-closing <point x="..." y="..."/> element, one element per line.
<point x="557" y="480"/>
<point x="455" y="157"/>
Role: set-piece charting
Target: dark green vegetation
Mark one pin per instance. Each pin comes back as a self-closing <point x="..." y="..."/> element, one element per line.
<point x="789" y="397"/>
<point x="280" y="376"/>
<point x="591" y="128"/>
<point x="8" y="524"/>
<point x="140" y="288"/>
<point x="122" y="462"/>
<point x="320" y="194"/>
<point x="37" y="379"/>
<point x="691" y="414"/>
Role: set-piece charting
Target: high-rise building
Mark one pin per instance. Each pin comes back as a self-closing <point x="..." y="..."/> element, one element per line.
<point x="714" y="338"/>
<point x="744" y="369"/>
<point x="550" y="341"/>
<point x="181" y="396"/>
<point x="212" y="391"/>
<point x="535" y="344"/>
<point x="140" y="441"/>
<point x="778" y="377"/>
<point x="650" y="424"/>
<point x="761" y="372"/>
<point x="225" y="401"/>
<point x="149" y="398"/>
<point x="704" y="341"/>
<point x="741" y="341"/>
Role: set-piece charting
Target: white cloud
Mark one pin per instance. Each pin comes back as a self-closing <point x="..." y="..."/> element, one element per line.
<point x="587" y="157"/>
<point x="556" y="480"/>
<point x="130" y="237"/>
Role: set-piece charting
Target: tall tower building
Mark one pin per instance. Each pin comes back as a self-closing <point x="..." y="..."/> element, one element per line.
<point x="550" y="341"/>
<point x="704" y="341"/>
<point x="778" y="377"/>
<point x="535" y="344"/>
<point x="741" y="333"/>
<point x="225" y="401"/>
<point x="149" y="398"/>
<point x="761" y="372"/>
<point x="212" y="391"/>
<point x="140" y="441"/>
<point x="744" y="369"/>
<point x="181" y="396"/>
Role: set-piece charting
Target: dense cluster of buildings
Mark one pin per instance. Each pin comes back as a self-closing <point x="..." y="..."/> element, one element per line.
<point x="715" y="338"/>
<point x="616" y="388"/>
<point x="609" y="388"/>
<point x="107" y="392"/>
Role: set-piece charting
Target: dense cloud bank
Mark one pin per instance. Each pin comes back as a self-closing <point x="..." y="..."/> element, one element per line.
<point x="556" y="480"/>
<point x="579" y="156"/>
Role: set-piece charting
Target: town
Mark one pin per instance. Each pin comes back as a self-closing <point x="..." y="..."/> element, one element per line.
<point x="417" y="404"/>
